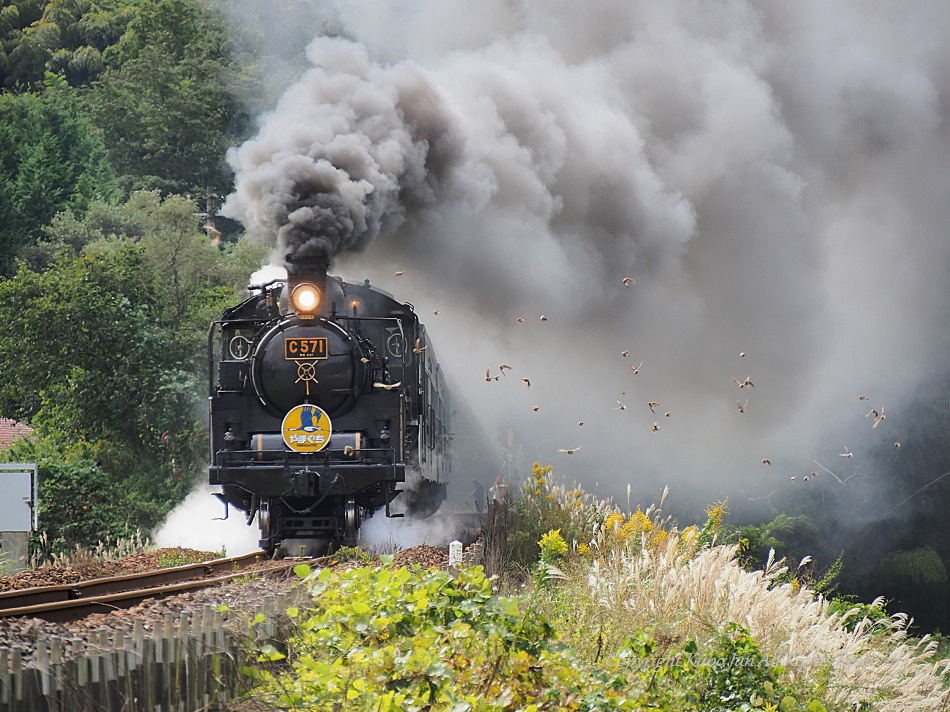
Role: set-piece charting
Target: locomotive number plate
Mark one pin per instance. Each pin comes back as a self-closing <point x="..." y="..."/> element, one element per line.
<point x="305" y="349"/>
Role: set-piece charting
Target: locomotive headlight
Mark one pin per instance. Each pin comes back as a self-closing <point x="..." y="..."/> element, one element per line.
<point x="305" y="299"/>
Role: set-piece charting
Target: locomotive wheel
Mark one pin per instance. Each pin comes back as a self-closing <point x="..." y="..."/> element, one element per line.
<point x="351" y="522"/>
<point x="264" y="521"/>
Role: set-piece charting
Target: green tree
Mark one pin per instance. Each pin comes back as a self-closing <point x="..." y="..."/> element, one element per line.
<point x="51" y="159"/>
<point x="82" y="351"/>
<point x="16" y="66"/>
<point x="65" y="37"/>
<point x="79" y="502"/>
<point x="103" y="338"/>
<point x="916" y="582"/>
<point x="167" y="100"/>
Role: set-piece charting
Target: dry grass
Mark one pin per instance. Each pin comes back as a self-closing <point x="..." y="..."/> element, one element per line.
<point x="697" y="595"/>
<point x="136" y="544"/>
<point x="638" y="571"/>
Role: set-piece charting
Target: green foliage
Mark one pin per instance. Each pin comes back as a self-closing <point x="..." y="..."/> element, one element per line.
<point x="180" y="557"/>
<point x="65" y="37"/>
<point x="408" y="639"/>
<point x="788" y="535"/>
<point x="154" y="76"/>
<point x="168" y="102"/>
<point x="513" y="528"/>
<point x="99" y="363"/>
<point x="352" y="553"/>
<point x="854" y="611"/>
<point x="912" y="580"/>
<point x="51" y="159"/>
<point x="107" y="346"/>
<point x="80" y="503"/>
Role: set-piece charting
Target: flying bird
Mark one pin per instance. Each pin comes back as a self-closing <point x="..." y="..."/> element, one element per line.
<point x="580" y="422"/>
<point x="897" y="446"/>
<point x="862" y="397"/>
<point x="742" y="406"/>
<point x="543" y="318"/>
<point x="620" y="406"/>
<point x="878" y="419"/>
<point x="656" y="428"/>
<point x="846" y="453"/>
<point x="388" y="386"/>
<point x="627" y="281"/>
<point x="636" y="369"/>
<point x="526" y="382"/>
<point x="400" y="273"/>
<point x="572" y="450"/>
<point x="364" y="360"/>
<point x="766" y="461"/>
<point x="489" y="378"/>
<point x="747" y="382"/>
<point x="437" y="312"/>
<point x="503" y="366"/>
<point x="535" y="408"/>
<point x="625" y="353"/>
<point x="522" y="318"/>
<point x="419" y="348"/>
<point x="742" y="354"/>
<point x="652" y="405"/>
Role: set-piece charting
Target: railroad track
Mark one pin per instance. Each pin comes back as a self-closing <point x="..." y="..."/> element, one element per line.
<point x="68" y="602"/>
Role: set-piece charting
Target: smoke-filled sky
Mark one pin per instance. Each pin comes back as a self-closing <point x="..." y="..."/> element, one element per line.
<point x="774" y="176"/>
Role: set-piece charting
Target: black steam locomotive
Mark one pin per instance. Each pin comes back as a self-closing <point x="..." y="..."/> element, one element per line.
<point x="325" y="397"/>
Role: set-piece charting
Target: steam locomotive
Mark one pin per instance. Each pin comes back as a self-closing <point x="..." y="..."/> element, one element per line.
<point x="325" y="397"/>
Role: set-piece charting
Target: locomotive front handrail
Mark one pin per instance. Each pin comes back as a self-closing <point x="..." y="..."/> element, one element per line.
<point x="365" y="456"/>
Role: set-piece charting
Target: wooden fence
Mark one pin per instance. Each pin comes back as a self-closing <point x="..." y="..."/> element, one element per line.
<point x="186" y="663"/>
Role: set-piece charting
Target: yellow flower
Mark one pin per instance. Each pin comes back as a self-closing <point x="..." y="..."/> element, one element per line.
<point x="716" y="511"/>
<point x="689" y="539"/>
<point x="638" y="522"/>
<point x="539" y="474"/>
<point x="552" y="545"/>
<point x="659" y="538"/>
<point x="582" y="549"/>
<point x="613" y="524"/>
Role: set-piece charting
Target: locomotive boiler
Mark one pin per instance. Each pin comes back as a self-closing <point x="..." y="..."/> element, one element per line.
<point x="327" y="404"/>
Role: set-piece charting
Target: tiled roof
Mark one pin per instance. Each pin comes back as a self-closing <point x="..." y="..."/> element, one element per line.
<point x="11" y="431"/>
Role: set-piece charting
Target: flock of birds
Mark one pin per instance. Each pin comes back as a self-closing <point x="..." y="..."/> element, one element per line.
<point x="877" y="415"/>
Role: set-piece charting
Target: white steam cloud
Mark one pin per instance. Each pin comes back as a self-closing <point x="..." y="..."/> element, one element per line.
<point x="772" y="175"/>
<point x="198" y="523"/>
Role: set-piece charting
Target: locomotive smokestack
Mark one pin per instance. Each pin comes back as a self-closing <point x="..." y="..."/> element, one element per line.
<point x="308" y="270"/>
<point x="313" y="265"/>
<point x="307" y="267"/>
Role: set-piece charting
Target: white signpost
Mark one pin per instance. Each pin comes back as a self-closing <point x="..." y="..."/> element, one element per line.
<point x="455" y="556"/>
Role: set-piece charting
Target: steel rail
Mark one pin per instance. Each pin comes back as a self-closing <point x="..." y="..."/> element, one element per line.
<point x="69" y="602"/>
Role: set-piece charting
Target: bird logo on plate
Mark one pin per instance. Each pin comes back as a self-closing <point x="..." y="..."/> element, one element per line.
<point x="306" y="428"/>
